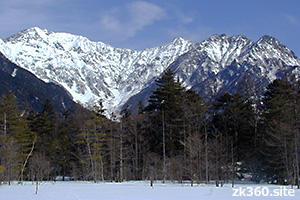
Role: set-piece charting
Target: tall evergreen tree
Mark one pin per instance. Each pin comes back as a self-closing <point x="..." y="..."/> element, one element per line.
<point x="15" y="130"/>
<point x="194" y="123"/>
<point x="9" y="114"/>
<point x="281" y="130"/>
<point x="165" y="106"/>
<point x="94" y="139"/>
<point x="177" y="117"/>
<point x="45" y="124"/>
<point x="232" y="117"/>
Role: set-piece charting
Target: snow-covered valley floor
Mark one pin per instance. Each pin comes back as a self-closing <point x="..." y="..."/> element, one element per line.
<point x="142" y="191"/>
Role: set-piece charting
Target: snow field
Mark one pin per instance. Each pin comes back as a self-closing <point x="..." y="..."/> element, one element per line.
<point x="138" y="191"/>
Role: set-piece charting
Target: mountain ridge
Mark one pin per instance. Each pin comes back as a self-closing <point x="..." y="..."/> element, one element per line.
<point x="90" y="70"/>
<point x="221" y="64"/>
<point x="94" y="70"/>
<point x="30" y="91"/>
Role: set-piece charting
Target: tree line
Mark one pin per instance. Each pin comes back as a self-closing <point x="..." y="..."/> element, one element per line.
<point x="176" y="136"/>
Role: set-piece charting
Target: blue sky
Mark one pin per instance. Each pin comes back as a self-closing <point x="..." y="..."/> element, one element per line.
<point x="143" y="24"/>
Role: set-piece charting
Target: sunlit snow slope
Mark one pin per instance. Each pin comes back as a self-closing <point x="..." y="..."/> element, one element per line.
<point x="94" y="70"/>
<point x="90" y="70"/>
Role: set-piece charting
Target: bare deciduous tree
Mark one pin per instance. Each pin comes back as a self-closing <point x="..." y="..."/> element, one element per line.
<point x="40" y="168"/>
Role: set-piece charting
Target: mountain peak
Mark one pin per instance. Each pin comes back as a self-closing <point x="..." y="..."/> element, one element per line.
<point x="36" y="29"/>
<point x="218" y="37"/>
<point x="269" y="46"/>
<point x="240" y="37"/>
<point x="93" y="70"/>
<point x="179" y="41"/>
<point x="268" y="39"/>
<point x="32" y="33"/>
<point x="272" y="41"/>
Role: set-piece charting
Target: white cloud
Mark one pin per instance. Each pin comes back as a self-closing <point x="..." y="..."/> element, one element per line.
<point x="127" y="21"/>
<point x="19" y="14"/>
<point x="110" y="20"/>
<point x="145" y="13"/>
<point x="183" y="18"/>
<point x="291" y="19"/>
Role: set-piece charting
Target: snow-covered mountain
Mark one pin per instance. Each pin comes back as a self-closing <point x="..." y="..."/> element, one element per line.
<point x="222" y="64"/>
<point x="220" y="60"/>
<point x="30" y="91"/>
<point x="90" y="70"/>
<point x="94" y="70"/>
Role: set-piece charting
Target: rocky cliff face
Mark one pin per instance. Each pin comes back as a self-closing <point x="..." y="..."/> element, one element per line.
<point x="90" y="70"/>
<point x="228" y="64"/>
<point x="220" y="61"/>
<point x="30" y="91"/>
<point x="94" y="70"/>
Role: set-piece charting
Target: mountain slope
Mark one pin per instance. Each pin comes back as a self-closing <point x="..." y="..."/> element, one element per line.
<point x="94" y="70"/>
<point x="222" y="64"/>
<point x="91" y="70"/>
<point x="29" y="90"/>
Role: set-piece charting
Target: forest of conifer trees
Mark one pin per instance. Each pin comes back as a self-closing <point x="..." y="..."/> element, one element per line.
<point x="176" y="136"/>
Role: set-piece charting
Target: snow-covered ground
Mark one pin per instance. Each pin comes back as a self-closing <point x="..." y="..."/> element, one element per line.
<point x="142" y="190"/>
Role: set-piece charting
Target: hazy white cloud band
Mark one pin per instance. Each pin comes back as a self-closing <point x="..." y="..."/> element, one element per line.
<point x="127" y="21"/>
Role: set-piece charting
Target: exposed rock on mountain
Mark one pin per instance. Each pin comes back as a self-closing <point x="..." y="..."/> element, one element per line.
<point x="221" y="64"/>
<point x="30" y="91"/>
<point x="90" y="70"/>
<point x="94" y="70"/>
